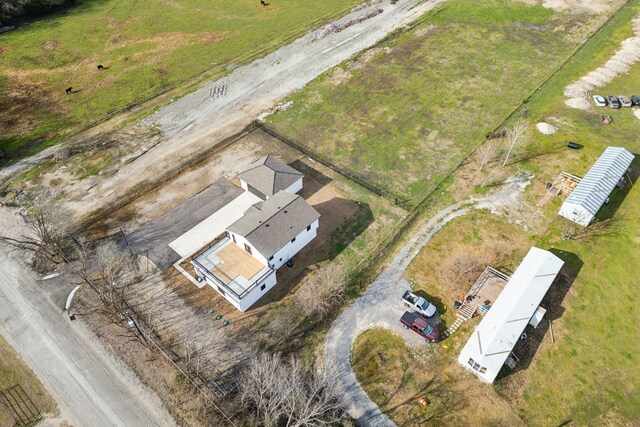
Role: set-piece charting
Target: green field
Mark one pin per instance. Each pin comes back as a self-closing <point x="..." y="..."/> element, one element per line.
<point x="12" y="372"/>
<point x="404" y="115"/>
<point x="147" y="46"/>
<point x="592" y="376"/>
<point x="589" y="375"/>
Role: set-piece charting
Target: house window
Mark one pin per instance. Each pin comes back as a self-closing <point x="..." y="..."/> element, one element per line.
<point x="271" y="258"/>
<point x="247" y="248"/>
<point x="309" y="227"/>
<point x="476" y="366"/>
<point x="293" y="240"/>
<point x="263" y="286"/>
<point x="233" y="236"/>
<point x="221" y="290"/>
<point x="483" y="369"/>
<point x="471" y="361"/>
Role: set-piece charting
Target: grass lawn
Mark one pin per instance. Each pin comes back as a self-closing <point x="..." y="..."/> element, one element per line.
<point x="13" y="371"/>
<point x="414" y="107"/>
<point x="147" y="46"/>
<point x="589" y="376"/>
<point x="395" y="377"/>
<point x="459" y="252"/>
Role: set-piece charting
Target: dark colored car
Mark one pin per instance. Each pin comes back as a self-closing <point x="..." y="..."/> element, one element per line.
<point x="419" y="325"/>
<point x="613" y="102"/>
<point x="635" y="100"/>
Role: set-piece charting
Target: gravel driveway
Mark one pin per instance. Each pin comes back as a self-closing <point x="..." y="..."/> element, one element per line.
<point x="380" y="304"/>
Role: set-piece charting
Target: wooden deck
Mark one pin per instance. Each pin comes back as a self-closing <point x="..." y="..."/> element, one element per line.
<point x="564" y="183"/>
<point x="234" y="262"/>
<point x="483" y="292"/>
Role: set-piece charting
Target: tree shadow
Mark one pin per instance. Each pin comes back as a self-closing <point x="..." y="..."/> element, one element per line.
<point x="525" y="350"/>
<point x="440" y="398"/>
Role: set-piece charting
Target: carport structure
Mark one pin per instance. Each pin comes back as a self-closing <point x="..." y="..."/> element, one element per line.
<point x="594" y="189"/>
<point x="495" y="337"/>
<point x="185" y="229"/>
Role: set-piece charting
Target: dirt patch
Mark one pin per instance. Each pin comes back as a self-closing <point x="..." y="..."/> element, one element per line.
<point x="458" y="254"/>
<point x="167" y="41"/>
<point x="338" y="76"/>
<point x="425" y="31"/>
<point x="50" y="45"/>
<point x="21" y="102"/>
<point x="578" y="7"/>
<point x="362" y="60"/>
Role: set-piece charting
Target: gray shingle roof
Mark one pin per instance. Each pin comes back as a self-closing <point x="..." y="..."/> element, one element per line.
<point x="271" y="224"/>
<point x="269" y="175"/>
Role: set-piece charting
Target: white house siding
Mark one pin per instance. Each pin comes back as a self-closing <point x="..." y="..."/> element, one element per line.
<point x="295" y="187"/>
<point x="241" y="241"/>
<point x="576" y="213"/>
<point x="207" y="230"/>
<point x="290" y="249"/>
<point x="257" y="293"/>
<point x="250" y="298"/>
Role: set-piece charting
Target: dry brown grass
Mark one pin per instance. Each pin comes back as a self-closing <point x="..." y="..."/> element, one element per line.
<point x="13" y="371"/>
<point x="459" y="252"/>
<point x="395" y="377"/>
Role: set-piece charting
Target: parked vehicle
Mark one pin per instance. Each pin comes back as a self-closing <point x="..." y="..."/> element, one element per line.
<point x="599" y="101"/>
<point x="419" y="304"/>
<point x="624" y="101"/>
<point x="419" y="325"/>
<point x="613" y="101"/>
<point x="635" y="100"/>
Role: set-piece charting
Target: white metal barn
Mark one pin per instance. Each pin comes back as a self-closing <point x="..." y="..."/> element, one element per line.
<point x="590" y="194"/>
<point x="494" y="338"/>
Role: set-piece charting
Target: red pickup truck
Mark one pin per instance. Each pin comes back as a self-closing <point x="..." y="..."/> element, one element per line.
<point x="418" y="324"/>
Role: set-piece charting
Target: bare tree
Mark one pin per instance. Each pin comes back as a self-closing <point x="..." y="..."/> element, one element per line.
<point x="46" y="235"/>
<point x="319" y="295"/>
<point x="516" y="135"/>
<point x="263" y="385"/>
<point x="289" y="394"/>
<point x="487" y="152"/>
<point x="200" y="347"/>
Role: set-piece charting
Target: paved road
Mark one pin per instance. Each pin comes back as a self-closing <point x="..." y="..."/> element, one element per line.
<point x="380" y="304"/>
<point x="91" y="388"/>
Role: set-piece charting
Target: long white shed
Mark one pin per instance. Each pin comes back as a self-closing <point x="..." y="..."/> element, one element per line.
<point x="591" y="193"/>
<point x="493" y="340"/>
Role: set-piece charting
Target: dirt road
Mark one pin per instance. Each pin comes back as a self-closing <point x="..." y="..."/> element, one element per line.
<point x="194" y="123"/>
<point x="380" y="305"/>
<point x="90" y="387"/>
